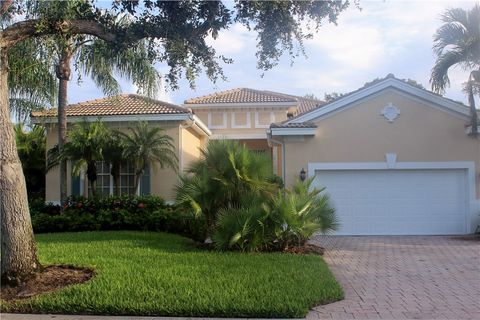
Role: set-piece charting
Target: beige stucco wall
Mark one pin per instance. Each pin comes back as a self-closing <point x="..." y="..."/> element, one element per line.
<point x="241" y="120"/>
<point x="361" y="134"/>
<point x="192" y="144"/>
<point x="162" y="180"/>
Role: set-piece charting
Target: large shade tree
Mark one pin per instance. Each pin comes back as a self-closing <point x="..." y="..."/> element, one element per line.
<point x="93" y="57"/>
<point x="457" y="44"/>
<point x="177" y="31"/>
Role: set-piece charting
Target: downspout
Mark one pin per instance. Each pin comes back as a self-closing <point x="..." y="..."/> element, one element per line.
<point x="282" y="143"/>
<point x="190" y="123"/>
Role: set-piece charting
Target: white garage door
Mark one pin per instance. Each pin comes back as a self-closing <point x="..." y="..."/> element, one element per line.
<point x="397" y="202"/>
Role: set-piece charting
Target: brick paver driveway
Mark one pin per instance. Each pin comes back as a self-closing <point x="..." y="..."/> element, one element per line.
<point x="403" y="277"/>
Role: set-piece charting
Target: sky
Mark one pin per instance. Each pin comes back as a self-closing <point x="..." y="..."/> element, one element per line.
<point x="383" y="37"/>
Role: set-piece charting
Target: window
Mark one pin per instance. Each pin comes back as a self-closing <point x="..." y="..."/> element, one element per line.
<point x="103" y="180"/>
<point x="127" y="179"/>
<point x="105" y="183"/>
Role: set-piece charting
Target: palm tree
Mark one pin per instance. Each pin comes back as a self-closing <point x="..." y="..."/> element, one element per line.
<point x="457" y="43"/>
<point x="31" y="146"/>
<point x="31" y="80"/>
<point x="145" y="145"/>
<point x="95" y="58"/>
<point x="113" y="154"/>
<point x="85" y="147"/>
<point x="226" y="174"/>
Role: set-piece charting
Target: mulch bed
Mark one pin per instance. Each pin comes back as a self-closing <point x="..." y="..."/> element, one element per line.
<point x="307" y="249"/>
<point x="50" y="279"/>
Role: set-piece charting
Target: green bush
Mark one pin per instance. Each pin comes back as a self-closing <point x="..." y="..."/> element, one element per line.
<point x="226" y="173"/>
<point x="145" y="213"/>
<point x="288" y="219"/>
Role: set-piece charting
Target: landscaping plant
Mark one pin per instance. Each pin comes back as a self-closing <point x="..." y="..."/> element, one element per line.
<point x="243" y="203"/>
<point x="288" y="219"/>
<point x="226" y="173"/>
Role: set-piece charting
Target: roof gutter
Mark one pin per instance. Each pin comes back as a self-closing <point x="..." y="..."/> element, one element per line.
<point x="199" y="126"/>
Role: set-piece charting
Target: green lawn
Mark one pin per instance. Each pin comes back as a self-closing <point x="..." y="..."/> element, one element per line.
<point x="142" y="273"/>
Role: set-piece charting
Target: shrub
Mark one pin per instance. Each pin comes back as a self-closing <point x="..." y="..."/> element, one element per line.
<point x="244" y="229"/>
<point x="287" y="219"/>
<point x="226" y="173"/>
<point x="145" y="213"/>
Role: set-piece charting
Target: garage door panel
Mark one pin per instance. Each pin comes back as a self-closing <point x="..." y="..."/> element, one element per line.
<point x="396" y="202"/>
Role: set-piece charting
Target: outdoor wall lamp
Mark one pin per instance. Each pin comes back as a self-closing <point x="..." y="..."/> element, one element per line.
<point x="303" y="175"/>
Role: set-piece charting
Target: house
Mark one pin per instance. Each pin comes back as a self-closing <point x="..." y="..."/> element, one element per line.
<point x="119" y="112"/>
<point x="394" y="158"/>
<point x="244" y="115"/>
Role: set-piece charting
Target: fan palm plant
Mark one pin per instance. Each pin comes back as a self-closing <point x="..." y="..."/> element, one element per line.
<point x="457" y="43"/>
<point x="84" y="148"/>
<point x="145" y="145"/>
<point x="226" y="173"/>
<point x="302" y="211"/>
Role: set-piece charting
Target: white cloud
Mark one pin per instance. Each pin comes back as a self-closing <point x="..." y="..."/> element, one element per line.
<point x="350" y="46"/>
<point x="232" y="41"/>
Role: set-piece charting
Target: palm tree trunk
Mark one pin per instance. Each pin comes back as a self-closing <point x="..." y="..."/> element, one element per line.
<point x="138" y="176"/>
<point x="93" y="187"/>
<point x="63" y="73"/>
<point x="115" y="172"/>
<point x="473" y="109"/>
<point x="18" y="250"/>
<point x="92" y="176"/>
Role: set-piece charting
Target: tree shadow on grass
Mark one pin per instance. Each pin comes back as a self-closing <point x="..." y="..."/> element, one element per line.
<point x="154" y="240"/>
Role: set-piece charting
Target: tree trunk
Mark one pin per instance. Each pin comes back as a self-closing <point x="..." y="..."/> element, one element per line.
<point x="138" y="176"/>
<point x="473" y="109"/>
<point x="115" y="172"/>
<point x="92" y="176"/>
<point x="63" y="73"/>
<point x="93" y="187"/>
<point x="18" y="250"/>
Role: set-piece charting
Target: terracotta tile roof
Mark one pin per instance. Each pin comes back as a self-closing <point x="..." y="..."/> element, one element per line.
<point x="294" y="125"/>
<point x="241" y="95"/>
<point x="304" y="104"/>
<point x="124" y="104"/>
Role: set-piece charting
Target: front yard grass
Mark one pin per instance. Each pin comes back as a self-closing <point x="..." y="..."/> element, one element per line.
<point x="143" y="273"/>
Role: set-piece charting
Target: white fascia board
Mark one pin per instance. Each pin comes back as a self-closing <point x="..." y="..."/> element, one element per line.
<point x="293" y="131"/>
<point x="387" y="83"/>
<point x="239" y="105"/>
<point x="120" y="118"/>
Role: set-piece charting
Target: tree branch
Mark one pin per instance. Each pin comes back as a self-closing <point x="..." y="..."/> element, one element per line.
<point x="4" y="5"/>
<point x="26" y="29"/>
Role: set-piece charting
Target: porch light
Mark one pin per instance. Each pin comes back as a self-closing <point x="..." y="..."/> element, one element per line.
<point x="303" y="175"/>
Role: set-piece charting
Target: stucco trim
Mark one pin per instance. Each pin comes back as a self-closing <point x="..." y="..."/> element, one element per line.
<point x="264" y="126"/>
<point x="471" y="214"/>
<point x="247" y="125"/>
<point x="238" y="136"/>
<point x="217" y="126"/>
<point x="448" y="105"/>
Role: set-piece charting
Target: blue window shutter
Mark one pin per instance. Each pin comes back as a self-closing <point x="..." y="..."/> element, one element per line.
<point x="145" y="182"/>
<point x="75" y="185"/>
